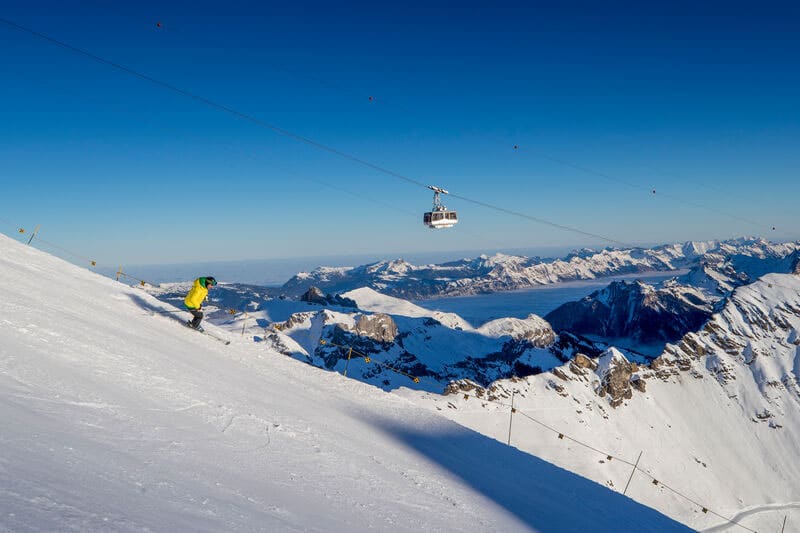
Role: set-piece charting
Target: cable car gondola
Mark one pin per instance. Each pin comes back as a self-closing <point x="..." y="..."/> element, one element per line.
<point x="439" y="217"/>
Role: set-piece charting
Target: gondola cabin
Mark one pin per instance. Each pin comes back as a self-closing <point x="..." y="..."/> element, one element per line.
<point x="439" y="217"/>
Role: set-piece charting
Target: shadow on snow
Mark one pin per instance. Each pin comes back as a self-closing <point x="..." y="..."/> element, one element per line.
<point x="542" y="496"/>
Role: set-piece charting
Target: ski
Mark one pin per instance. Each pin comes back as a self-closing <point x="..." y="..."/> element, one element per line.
<point x="207" y="334"/>
<point x="169" y="314"/>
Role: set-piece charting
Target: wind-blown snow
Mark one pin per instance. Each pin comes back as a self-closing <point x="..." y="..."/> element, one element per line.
<point x="118" y="419"/>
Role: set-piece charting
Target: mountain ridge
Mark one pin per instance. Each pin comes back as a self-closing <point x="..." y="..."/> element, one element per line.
<point x="501" y="272"/>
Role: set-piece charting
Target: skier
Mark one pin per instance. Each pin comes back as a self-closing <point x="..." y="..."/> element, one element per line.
<point x="194" y="300"/>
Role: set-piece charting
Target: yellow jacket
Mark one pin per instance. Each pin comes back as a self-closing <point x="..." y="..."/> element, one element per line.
<point x="196" y="296"/>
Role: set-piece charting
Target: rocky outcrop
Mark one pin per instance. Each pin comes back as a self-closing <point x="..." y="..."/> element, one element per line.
<point x="379" y="327"/>
<point x="615" y="372"/>
<point x="611" y="376"/>
<point x="314" y="296"/>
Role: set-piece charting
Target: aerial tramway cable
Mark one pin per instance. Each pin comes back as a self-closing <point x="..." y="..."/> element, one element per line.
<point x="232" y="111"/>
<point x="653" y="191"/>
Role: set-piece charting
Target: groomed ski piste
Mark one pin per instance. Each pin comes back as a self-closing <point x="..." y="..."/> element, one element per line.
<point x="118" y="419"/>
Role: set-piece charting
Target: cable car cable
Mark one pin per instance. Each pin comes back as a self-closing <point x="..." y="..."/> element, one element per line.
<point x="653" y="191"/>
<point x="339" y="88"/>
<point x="282" y="131"/>
<point x="582" y="168"/>
<point x="543" y="221"/>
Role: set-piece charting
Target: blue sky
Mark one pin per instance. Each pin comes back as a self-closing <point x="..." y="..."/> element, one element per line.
<point x="698" y="103"/>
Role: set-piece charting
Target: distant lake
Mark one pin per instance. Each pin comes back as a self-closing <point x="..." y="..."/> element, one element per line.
<point x="481" y="308"/>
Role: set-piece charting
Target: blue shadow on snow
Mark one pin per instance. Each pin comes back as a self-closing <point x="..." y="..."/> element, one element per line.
<point x="540" y="495"/>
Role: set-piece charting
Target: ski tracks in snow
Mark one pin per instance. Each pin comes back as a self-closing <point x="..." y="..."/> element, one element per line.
<point x="751" y="511"/>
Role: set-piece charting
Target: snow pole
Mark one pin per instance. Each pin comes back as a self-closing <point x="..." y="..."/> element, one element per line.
<point x="119" y="272"/>
<point x="35" y="231"/>
<point x="511" y="417"/>
<point x="347" y="364"/>
<point x="632" y="472"/>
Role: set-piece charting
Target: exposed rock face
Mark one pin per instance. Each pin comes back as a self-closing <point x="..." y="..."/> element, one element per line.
<point x="463" y="386"/>
<point x="615" y="372"/>
<point x="296" y="319"/>
<point x="635" y="310"/>
<point x="581" y="361"/>
<point x="610" y="376"/>
<point x="379" y="327"/>
<point x="314" y="295"/>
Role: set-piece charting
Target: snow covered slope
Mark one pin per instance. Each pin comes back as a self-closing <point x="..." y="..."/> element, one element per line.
<point x="370" y="300"/>
<point x="716" y="416"/>
<point x="118" y="419"/>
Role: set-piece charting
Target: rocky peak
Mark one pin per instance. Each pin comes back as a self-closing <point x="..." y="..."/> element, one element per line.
<point x="379" y="327"/>
<point x="615" y="373"/>
<point x="314" y="295"/>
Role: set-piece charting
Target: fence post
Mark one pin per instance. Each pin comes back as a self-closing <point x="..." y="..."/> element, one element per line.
<point x="511" y="417"/>
<point x="632" y="472"/>
<point x="119" y="272"/>
<point x="347" y="364"/>
<point x="35" y="231"/>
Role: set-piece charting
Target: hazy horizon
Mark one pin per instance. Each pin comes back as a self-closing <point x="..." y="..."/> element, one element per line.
<point x="276" y="271"/>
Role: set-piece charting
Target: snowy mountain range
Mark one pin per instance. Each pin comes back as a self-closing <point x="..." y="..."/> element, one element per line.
<point x="632" y="316"/>
<point x="747" y="256"/>
<point x="644" y="318"/>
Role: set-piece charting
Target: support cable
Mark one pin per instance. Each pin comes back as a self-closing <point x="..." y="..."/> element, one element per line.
<point x="282" y="131"/>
